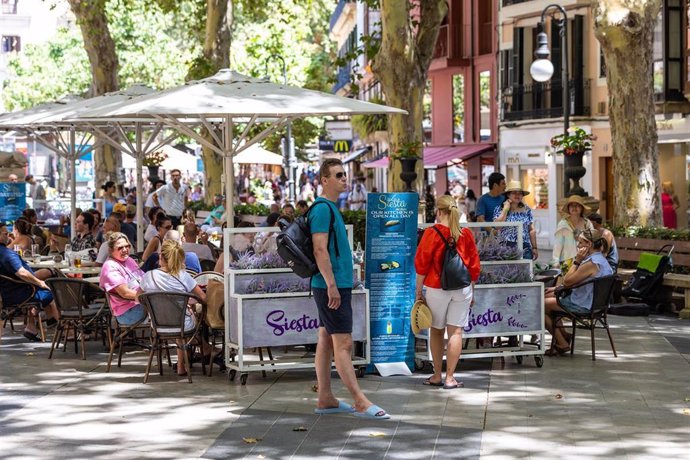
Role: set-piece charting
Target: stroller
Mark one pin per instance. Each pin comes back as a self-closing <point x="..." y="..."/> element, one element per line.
<point x="645" y="289"/>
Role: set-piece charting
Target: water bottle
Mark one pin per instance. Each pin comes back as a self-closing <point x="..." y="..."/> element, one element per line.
<point x="68" y="254"/>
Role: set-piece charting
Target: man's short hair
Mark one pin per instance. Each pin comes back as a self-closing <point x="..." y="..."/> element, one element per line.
<point x="89" y="219"/>
<point x="495" y="178"/>
<point x="594" y="217"/>
<point x="190" y="229"/>
<point x="174" y="170"/>
<point x="28" y="177"/>
<point x="131" y="210"/>
<point x="328" y="163"/>
<point x="288" y="205"/>
<point x="158" y="182"/>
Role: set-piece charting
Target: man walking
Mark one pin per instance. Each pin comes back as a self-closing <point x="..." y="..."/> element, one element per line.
<point x="493" y="199"/>
<point x="172" y="197"/>
<point x="332" y="288"/>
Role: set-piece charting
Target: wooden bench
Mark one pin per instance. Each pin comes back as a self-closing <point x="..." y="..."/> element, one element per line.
<point x="629" y="250"/>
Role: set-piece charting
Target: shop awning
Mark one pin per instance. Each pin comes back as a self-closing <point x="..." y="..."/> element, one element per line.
<point x="356" y="154"/>
<point x="444" y="156"/>
<point x="380" y="163"/>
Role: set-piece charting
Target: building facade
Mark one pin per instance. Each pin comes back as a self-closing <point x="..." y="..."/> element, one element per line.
<point x="531" y="113"/>
<point x="460" y="109"/>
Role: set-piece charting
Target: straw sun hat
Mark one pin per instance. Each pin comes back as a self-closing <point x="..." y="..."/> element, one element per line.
<point x="514" y="186"/>
<point x="420" y="317"/>
<point x="577" y="200"/>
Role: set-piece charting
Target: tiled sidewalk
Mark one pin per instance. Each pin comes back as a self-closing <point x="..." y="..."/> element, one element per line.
<point x="633" y="406"/>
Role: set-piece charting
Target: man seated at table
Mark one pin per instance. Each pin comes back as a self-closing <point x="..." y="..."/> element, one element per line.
<point x="84" y="225"/>
<point x="191" y="234"/>
<point x="215" y="218"/>
<point x="111" y="224"/>
<point x="191" y="260"/>
<point x="14" y="267"/>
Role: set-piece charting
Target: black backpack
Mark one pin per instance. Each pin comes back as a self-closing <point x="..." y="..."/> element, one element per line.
<point x="295" y="246"/>
<point x="454" y="274"/>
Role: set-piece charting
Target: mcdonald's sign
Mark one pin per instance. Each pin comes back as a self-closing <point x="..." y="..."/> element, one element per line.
<point x="342" y="146"/>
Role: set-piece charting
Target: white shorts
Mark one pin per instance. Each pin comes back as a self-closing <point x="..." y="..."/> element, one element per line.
<point x="449" y="308"/>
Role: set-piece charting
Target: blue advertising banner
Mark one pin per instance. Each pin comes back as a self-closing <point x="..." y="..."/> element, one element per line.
<point x="84" y="166"/>
<point x="391" y="242"/>
<point x="12" y="200"/>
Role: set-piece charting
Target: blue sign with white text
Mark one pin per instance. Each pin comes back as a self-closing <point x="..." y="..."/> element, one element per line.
<point x="12" y="200"/>
<point x="391" y="243"/>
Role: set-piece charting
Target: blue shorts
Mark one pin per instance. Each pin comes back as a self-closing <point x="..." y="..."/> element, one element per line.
<point x="18" y="296"/>
<point x="335" y="321"/>
<point x="132" y="316"/>
<point x="567" y="304"/>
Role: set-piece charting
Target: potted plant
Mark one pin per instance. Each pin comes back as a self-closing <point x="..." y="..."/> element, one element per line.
<point x="254" y="213"/>
<point x="573" y="145"/>
<point x="153" y="161"/>
<point x="408" y="154"/>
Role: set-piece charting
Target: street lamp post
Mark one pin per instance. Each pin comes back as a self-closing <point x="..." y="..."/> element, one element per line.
<point x="541" y="71"/>
<point x="288" y="144"/>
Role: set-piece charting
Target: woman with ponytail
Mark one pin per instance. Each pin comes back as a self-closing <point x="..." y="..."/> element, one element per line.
<point x="449" y="309"/>
<point x="109" y="199"/>
<point x="172" y="276"/>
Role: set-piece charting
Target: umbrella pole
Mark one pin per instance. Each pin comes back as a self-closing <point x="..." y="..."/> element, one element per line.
<point x="140" y="190"/>
<point x="229" y="175"/>
<point x="73" y="183"/>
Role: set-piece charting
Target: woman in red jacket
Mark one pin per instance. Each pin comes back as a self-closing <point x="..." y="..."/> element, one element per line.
<point x="449" y="309"/>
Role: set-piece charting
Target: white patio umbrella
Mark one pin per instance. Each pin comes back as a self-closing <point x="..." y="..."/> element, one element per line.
<point x="220" y="101"/>
<point x="256" y="154"/>
<point x="57" y="119"/>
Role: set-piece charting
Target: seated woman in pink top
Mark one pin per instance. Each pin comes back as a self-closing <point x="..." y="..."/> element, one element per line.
<point x="120" y="278"/>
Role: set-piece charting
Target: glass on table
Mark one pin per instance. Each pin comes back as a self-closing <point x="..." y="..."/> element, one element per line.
<point x="18" y="250"/>
<point x="77" y="261"/>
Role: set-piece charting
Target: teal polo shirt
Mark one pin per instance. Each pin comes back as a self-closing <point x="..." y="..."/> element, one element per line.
<point x="319" y="222"/>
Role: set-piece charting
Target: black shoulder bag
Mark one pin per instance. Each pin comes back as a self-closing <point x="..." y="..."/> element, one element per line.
<point x="454" y="274"/>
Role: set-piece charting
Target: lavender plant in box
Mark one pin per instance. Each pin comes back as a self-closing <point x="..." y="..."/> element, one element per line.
<point x="274" y="286"/>
<point x="251" y="261"/>
<point x="504" y="274"/>
<point x="493" y="247"/>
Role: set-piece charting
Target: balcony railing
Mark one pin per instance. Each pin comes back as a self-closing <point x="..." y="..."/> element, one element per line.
<point x="544" y="100"/>
<point x="513" y="2"/>
<point x="338" y="11"/>
<point x="343" y="77"/>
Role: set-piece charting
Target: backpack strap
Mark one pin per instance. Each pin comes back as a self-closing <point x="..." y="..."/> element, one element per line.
<point x="331" y="227"/>
<point x="441" y="235"/>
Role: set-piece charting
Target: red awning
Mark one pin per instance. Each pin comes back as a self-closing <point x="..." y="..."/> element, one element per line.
<point x="380" y="163"/>
<point x="444" y="156"/>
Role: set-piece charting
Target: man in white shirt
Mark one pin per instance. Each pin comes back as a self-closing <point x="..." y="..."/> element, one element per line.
<point x="190" y="244"/>
<point x="358" y="196"/>
<point x="148" y="204"/>
<point x="172" y="197"/>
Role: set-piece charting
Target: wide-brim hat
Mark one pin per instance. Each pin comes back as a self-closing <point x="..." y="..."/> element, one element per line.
<point x="420" y="317"/>
<point x="515" y="186"/>
<point x="578" y="200"/>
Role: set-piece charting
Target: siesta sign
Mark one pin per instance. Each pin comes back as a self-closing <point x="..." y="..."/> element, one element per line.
<point x="271" y="320"/>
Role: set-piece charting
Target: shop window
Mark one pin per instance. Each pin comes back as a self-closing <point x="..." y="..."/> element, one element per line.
<point x="426" y="112"/>
<point x="457" y="181"/>
<point x="668" y="52"/>
<point x="487" y="169"/>
<point x="11" y="43"/>
<point x="485" y="106"/>
<point x="535" y="179"/>
<point x="458" y="108"/>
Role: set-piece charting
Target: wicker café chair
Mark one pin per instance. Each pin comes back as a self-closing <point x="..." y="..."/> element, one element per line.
<point x="601" y="300"/>
<point x="71" y="298"/>
<point x="123" y="331"/>
<point x="167" y="311"/>
<point x="11" y="311"/>
<point x="214" y="321"/>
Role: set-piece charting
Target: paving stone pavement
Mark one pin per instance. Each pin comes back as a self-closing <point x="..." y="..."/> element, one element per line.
<point x="635" y="406"/>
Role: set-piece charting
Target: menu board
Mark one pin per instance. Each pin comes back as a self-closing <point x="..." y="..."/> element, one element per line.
<point x="391" y="242"/>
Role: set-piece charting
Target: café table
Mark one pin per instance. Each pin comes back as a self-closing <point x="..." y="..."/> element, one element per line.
<point x="63" y="267"/>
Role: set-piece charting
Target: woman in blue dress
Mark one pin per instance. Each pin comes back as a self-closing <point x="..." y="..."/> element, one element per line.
<point x="514" y="210"/>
